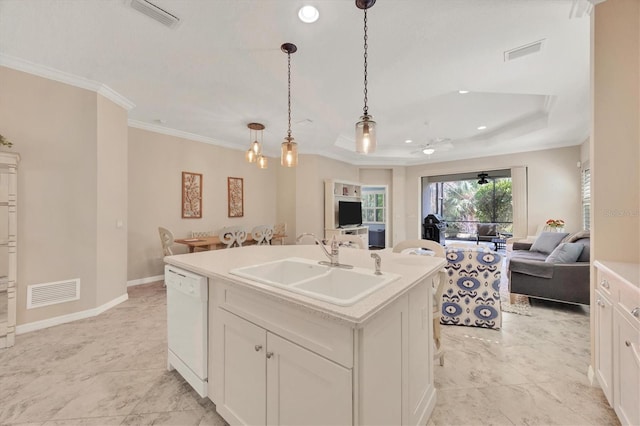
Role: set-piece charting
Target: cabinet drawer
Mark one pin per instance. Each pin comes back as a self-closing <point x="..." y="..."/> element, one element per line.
<point x="328" y="338"/>
<point x="607" y="284"/>
<point x="629" y="303"/>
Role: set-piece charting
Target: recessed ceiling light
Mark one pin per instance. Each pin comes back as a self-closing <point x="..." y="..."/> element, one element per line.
<point x="308" y="14"/>
<point x="463" y="92"/>
<point x="428" y="151"/>
<point x="408" y="141"/>
<point x="482" y="127"/>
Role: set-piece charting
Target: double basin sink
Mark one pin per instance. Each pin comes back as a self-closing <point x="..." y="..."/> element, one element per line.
<point x="335" y="285"/>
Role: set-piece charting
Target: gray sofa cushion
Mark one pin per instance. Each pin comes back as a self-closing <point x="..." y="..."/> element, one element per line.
<point x="531" y="267"/>
<point x="527" y="255"/>
<point x="548" y="241"/>
<point x="565" y="253"/>
<point x="586" y="251"/>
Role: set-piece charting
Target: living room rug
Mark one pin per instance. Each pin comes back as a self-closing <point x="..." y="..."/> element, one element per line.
<point x="520" y="304"/>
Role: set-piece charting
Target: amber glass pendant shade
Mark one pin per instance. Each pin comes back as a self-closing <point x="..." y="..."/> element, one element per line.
<point x="366" y="140"/>
<point x="289" y="154"/>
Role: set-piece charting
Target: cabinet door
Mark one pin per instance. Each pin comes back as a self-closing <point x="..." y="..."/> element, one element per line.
<point x="604" y="344"/>
<point x="242" y="399"/>
<point x="305" y="388"/>
<point x="627" y="357"/>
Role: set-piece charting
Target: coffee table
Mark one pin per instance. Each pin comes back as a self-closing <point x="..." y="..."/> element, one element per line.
<point x="499" y="243"/>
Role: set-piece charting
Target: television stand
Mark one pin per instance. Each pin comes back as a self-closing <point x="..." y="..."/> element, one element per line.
<point x="360" y="231"/>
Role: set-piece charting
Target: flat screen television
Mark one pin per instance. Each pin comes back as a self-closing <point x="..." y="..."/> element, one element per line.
<point x="349" y="213"/>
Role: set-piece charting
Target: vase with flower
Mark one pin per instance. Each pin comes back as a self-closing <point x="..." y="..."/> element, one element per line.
<point x="555" y="225"/>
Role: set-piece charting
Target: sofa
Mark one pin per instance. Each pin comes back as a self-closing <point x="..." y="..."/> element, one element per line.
<point x="554" y="267"/>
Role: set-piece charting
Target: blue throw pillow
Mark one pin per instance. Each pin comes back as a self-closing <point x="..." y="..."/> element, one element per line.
<point x="565" y="253"/>
<point x="548" y="241"/>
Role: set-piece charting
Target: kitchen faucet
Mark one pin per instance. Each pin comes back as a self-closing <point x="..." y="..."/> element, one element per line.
<point x="378" y="262"/>
<point x="334" y="255"/>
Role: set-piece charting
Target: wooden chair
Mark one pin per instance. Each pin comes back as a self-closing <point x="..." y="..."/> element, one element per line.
<point x="413" y="247"/>
<point x="279" y="232"/>
<point x="262" y="234"/>
<point x="166" y="238"/>
<point x="233" y="236"/>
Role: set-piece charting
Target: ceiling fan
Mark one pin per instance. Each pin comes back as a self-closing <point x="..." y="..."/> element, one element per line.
<point x="438" y="144"/>
<point x="482" y="178"/>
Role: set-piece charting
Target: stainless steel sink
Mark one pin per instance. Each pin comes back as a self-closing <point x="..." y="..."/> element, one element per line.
<point x="342" y="287"/>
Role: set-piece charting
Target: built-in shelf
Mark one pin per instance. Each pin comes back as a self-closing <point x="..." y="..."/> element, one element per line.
<point x="334" y="192"/>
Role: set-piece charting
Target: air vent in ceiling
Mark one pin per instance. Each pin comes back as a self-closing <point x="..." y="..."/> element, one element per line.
<point x="155" y="12"/>
<point x="525" y="50"/>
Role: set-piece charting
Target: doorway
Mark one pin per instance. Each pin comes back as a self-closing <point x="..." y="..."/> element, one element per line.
<point x="375" y="214"/>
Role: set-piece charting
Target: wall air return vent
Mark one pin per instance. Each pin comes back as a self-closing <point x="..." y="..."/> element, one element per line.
<point x="52" y="293"/>
<point x="155" y="12"/>
<point x="525" y="50"/>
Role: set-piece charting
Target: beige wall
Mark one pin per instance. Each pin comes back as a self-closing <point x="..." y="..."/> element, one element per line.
<point x="156" y="163"/>
<point x="112" y="201"/>
<point x="553" y="185"/>
<point x="310" y="175"/>
<point x="615" y="150"/>
<point x="286" y="200"/>
<point x="54" y="127"/>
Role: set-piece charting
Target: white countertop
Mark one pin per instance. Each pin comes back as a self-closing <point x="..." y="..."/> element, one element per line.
<point x="218" y="263"/>
<point x="628" y="272"/>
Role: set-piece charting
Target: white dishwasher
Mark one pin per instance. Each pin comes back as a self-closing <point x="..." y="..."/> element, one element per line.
<point x="187" y="296"/>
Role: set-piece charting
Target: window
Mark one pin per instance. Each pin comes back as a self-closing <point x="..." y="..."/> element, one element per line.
<point x="586" y="198"/>
<point x="373" y="210"/>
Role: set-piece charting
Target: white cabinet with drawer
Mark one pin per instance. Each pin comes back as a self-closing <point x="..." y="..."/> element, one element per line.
<point x="617" y="337"/>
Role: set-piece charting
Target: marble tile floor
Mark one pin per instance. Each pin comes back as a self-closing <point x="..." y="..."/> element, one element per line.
<point x="111" y="370"/>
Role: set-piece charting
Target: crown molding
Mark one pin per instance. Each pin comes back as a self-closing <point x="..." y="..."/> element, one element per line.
<point x="66" y="78"/>
<point x="180" y="134"/>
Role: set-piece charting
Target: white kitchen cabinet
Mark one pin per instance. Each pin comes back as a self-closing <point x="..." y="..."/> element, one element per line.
<point x="626" y="354"/>
<point x="617" y="345"/>
<point x="604" y="343"/>
<point x="266" y="379"/>
<point x="301" y="385"/>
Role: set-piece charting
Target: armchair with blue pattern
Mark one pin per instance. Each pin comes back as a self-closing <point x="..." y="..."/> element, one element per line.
<point x="471" y="294"/>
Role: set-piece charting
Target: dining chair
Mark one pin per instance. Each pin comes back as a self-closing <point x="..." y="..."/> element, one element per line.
<point x="199" y="234"/>
<point x="471" y="294"/>
<point x="432" y="249"/>
<point x="166" y="238"/>
<point x="279" y="232"/>
<point x="233" y="236"/>
<point x="262" y="234"/>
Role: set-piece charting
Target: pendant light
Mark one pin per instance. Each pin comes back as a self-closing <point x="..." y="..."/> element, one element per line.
<point x="289" y="154"/>
<point x="366" y="127"/>
<point x="254" y="153"/>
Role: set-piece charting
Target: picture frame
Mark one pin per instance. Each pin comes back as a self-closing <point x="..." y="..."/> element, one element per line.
<point x="235" y="190"/>
<point x="191" y="195"/>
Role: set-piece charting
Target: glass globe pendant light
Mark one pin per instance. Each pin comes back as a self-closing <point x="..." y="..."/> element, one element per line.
<point x="289" y="148"/>
<point x="365" y="128"/>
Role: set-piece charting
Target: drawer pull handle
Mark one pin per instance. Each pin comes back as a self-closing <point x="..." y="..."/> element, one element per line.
<point x="269" y="355"/>
<point x="604" y="283"/>
<point x="258" y="347"/>
<point x="636" y="311"/>
<point x="600" y="302"/>
<point x="627" y="343"/>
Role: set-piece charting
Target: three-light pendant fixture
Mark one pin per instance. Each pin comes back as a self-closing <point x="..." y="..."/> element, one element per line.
<point x="254" y="153"/>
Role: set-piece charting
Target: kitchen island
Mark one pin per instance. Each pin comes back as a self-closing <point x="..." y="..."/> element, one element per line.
<point x="280" y="357"/>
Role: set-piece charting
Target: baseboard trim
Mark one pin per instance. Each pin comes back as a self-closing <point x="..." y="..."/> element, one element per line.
<point x="63" y="319"/>
<point x="145" y="280"/>
<point x="591" y="376"/>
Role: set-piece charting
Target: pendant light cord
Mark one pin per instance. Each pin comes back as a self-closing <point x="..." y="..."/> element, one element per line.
<point x="289" y="96"/>
<point x="366" y="108"/>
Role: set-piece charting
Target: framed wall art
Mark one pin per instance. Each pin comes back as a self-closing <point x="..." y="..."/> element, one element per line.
<point x="235" y="188"/>
<point x="191" y="195"/>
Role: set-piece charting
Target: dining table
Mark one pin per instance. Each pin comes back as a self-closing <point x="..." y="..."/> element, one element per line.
<point x="213" y="242"/>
